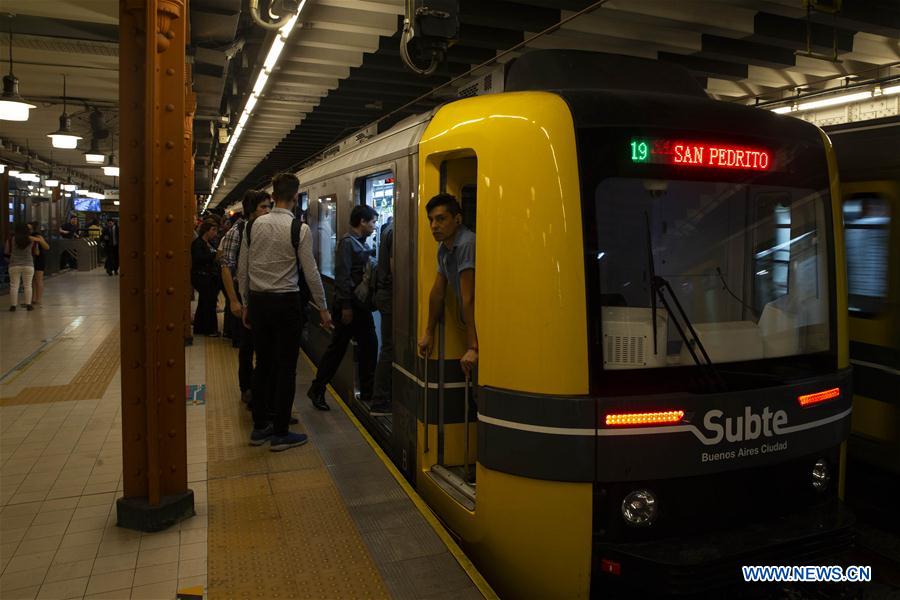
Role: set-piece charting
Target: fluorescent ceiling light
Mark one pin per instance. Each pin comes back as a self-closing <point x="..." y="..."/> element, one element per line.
<point x="781" y="110"/>
<point x="14" y="172"/>
<point x="52" y="183"/>
<point x="251" y="104"/>
<point x="274" y="53"/>
<point x="260" y="83"/>
<point x="82" y="191"/>
<point x="115" y="202"/>
<point x="69" y="187"/>
<point x="243" y="120"/>
<point x="834" y="100"/>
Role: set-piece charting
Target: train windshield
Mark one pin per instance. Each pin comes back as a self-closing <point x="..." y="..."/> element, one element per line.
<point x="709" y="256"/>
<point x="694" y="272"/>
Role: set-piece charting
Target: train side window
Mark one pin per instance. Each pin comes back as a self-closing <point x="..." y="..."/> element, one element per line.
<point x="866" y="233"/>
<point x="377" y="191"/>
<point x="326" y="234"/>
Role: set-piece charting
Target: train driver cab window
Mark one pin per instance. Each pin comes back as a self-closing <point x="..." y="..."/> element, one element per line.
<point x="866" y="234"/>
<point x="326" y="234"/>
<point x="747" y="263"/>
<point x="377" y="191"/>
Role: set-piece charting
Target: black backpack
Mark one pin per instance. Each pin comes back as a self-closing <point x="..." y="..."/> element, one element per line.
<point x="305" y="293"/>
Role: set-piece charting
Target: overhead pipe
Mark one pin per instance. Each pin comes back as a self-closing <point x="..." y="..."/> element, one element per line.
<point x="254" y="12"/>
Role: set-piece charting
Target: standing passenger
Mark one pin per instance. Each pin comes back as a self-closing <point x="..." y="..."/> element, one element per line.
<point x="456" y="264"/>
<point x="111" y="239"/>
<point x="269" y="278"/>
<point x="384" y="301"/>
<point x="21" y="265"/>
<point x="354" y="321"/>
<point x="39" y="250"/>
<point x="204" y="280"/>
<point x="256" y="203"/>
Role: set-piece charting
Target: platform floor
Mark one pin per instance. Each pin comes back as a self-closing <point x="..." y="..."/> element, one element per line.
<point x="327" y="520"/>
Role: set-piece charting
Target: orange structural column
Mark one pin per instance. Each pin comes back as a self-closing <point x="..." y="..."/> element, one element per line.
<point x="153" y="263"/>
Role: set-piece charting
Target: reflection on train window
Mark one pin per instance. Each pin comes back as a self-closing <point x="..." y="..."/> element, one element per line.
<point x="377" y="191"/>
<point x="302" y="209"/>
<point x="867" y="232"/>
<point x="327" y="234"/>
<point x="745" y="262"/>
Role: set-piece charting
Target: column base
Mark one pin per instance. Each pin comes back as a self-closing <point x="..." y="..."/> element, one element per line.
<point x="138" y="514"/>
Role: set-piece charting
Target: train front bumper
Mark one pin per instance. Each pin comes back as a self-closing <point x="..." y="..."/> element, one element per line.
<point x="691" y="564"/>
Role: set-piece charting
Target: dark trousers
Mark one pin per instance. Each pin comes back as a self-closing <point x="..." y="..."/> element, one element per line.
<point x="205" y="320"/>
<point x="384" y="368"/>
<point x="277" y="322"/>
<point x="362" y="329"/>
<point x="112" y="259"/>
<point x="245" y="358"/>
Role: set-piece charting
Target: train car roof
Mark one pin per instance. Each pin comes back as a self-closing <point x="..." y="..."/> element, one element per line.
<point x="399" y="140"/>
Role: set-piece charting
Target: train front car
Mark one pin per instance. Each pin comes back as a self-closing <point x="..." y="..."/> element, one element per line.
<point x="664" y="389"/>
<point x="717" y="339"/>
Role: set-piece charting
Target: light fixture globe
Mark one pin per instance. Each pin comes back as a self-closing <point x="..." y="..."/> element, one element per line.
<point x="94" y="156"/>
<point x="12" y="107"/>
<point x="63" y="137"/>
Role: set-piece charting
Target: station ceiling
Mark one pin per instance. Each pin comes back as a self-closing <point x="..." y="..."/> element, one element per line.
<point x="343" y="68"/>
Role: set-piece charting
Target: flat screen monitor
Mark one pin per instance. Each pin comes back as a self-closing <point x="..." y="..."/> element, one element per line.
<point x="87" y="204"/>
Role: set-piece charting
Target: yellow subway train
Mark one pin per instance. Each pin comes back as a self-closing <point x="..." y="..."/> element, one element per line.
<point x="663" y="390"/>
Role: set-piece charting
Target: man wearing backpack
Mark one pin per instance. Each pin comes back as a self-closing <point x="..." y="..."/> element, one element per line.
<point x="256" y="203"/>
<point x="269" y="282"/>
<point x="353" y="265"/>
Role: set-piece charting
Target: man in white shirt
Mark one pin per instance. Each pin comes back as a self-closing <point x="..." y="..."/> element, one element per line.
<point x="272" y="248"/>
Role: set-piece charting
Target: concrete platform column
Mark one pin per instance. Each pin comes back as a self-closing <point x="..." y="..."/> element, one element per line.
<point x="153" y="263"/>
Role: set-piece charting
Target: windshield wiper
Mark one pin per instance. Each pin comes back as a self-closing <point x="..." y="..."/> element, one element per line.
<point x="659" y="285"/>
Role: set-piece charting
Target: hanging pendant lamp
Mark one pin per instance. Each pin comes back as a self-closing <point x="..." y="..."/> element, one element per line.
<point x="111" y="169"/>
<point x="63" y="137"/>
<point x="94" y="156"/>
<point x="12" y="106"/>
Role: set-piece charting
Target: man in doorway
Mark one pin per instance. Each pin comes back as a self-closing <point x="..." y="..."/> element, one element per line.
<point x="353" y="320"/>
<point x="456" y="265"/>
<point x="269" y="278"/>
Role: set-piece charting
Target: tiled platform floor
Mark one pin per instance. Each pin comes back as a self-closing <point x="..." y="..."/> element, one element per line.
<point x="61" y="458"/>
<point x="323" y="521"/>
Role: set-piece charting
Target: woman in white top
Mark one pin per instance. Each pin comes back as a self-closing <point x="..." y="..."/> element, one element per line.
<point x="19" y="253"/>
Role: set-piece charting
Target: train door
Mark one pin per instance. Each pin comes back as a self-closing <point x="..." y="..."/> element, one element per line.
<point x="376" y="189"/>
<point x="872" y="237"/>
<point x="449" y="396"/>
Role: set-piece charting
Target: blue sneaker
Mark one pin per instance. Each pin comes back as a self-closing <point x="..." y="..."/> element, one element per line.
<point x="258" y="437"/>
<point x="291" y="440"/>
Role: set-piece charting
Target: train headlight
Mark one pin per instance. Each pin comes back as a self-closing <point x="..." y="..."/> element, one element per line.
<point x="639" y="508"/>
<point x="821" y="475"/>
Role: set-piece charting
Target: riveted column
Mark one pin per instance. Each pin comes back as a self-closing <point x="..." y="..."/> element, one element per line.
<point x="153" y="261"/>
<point x="188" y="203"/>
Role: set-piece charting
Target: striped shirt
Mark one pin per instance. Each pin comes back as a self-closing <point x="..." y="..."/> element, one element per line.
<point x="270" y="264"/>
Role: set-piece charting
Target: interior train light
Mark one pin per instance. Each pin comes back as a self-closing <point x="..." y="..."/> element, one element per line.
<point x="894" y="89"/>
<point x="667" y="417"/>
<point x="686" y="153"/>
<point x="811" y="399"/>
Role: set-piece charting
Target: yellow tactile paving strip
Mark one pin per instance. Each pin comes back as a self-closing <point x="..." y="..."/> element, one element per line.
<point x="89" y="383"/>
<point x="278" y="527"/>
